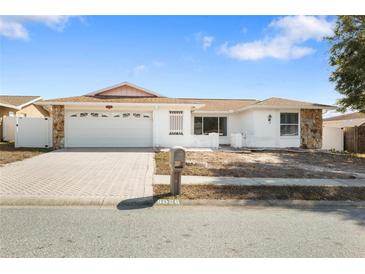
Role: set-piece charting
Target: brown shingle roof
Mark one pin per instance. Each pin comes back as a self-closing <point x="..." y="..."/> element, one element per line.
<point x="16" y="100"/>
<point x="210" y="104"/>
<point x="286" y="102"/>
<point x="350" y="116"/>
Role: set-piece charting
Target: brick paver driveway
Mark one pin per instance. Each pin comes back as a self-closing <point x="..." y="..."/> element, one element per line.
<point x="93" y="173"/>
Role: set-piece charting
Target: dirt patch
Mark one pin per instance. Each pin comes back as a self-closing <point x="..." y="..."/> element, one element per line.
<point x="273" y="164"/>
<point x="9" y="154"/>
<point x="193" y="192"/>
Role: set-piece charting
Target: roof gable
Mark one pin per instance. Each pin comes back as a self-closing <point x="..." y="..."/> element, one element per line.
<point x="124" y="89"/>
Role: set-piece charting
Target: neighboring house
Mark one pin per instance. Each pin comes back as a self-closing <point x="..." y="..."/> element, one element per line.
<point x="126" y="115"/>
<point x="20" y="106"/>
<point x="353" y="126"/>
<point x="345" y="120"/>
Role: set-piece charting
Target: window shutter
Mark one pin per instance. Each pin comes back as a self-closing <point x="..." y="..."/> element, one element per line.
<point x="176" y="122"/>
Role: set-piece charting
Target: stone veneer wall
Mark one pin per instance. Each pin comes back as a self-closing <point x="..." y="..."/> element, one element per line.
<point x="58" y="132"/>
<point x="311" y="128"/>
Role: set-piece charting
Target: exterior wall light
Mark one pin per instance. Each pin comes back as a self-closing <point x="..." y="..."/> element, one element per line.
<point x="269" y="118"/>
<point x="108" y="107"/>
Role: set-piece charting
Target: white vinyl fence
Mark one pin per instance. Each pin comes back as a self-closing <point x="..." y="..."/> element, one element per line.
<point x="33" y="132"/>
<point x="332" y="138"/>
<point x="9" y="128"/>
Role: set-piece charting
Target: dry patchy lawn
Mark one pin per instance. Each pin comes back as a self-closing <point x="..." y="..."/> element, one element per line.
<point x="9" y="154"/>
<point x="267" y="164"/>
<point x="193" y="192"/>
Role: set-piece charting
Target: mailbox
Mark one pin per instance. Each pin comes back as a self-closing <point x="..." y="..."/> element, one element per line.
<point x="177" y="164"/>
<point x="177" y="158"/>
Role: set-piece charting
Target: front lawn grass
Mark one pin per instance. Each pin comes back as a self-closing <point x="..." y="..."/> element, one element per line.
<point x="9" y="154"/>
<point x="194" y="192"/>
<point x="266" y="164"/>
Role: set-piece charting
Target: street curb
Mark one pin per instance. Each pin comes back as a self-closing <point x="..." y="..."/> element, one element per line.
<point x="120" y="202"/>
<point x="73" y="201"/>
<point x="258" y="203"/>
<point x="50" y="201"/>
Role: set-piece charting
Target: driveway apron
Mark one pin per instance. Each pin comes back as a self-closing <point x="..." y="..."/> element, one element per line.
<point x="85" y="173"/>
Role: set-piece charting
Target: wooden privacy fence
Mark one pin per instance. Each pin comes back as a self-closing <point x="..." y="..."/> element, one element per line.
<point x="355" y="139"/>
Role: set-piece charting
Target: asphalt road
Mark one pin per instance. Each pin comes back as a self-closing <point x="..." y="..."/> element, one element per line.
<point x="183" y="232"/>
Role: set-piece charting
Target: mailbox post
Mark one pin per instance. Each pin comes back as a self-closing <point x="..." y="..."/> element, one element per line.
<point x="177" y="164"/>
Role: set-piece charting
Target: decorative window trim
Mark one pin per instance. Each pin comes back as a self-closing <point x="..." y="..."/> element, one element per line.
<point x="124" y="115"/>
<point x="176" y="122"/>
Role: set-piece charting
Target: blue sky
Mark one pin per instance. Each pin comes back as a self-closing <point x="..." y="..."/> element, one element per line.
<point x="177" y="56"/>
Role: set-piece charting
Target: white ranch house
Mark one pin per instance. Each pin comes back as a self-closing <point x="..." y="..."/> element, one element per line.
<point x="126" y="115"/>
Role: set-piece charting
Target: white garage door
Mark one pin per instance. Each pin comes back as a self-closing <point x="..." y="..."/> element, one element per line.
<point x="108" y="129"/>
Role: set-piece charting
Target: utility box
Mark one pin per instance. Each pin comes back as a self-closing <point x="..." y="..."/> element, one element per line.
<point x="177" y="159"/>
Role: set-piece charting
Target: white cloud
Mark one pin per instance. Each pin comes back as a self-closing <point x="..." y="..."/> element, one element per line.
<point x="139" y="69"/>
<point x="204" y="40"/>
<point x="207" y="41"/>
<point x="14" y="26"/>
<point x="292" y="32"/>
<point x="302" y="28"/>
<point x="13" y="30"/>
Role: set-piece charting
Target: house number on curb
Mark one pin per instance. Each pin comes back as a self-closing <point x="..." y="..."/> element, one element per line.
<point x="168" y="202"/>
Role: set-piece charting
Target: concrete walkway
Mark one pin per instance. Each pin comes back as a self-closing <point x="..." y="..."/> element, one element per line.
<point x="207" y="180"/>
<point x="78" y="176"/>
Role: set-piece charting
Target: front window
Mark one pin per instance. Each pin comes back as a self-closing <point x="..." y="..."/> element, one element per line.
<point x="206" y="125"/>
<point x="210" y="125"/>
<point x="289" y="124"/>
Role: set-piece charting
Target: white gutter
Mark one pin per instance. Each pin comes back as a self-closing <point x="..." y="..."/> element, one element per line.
<point x="197" y="106"/>
<point x="214" y="111"/>
<point x="261" y="107"/>
<point x="117" y="104"/>
<point x="284" y="107"/>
